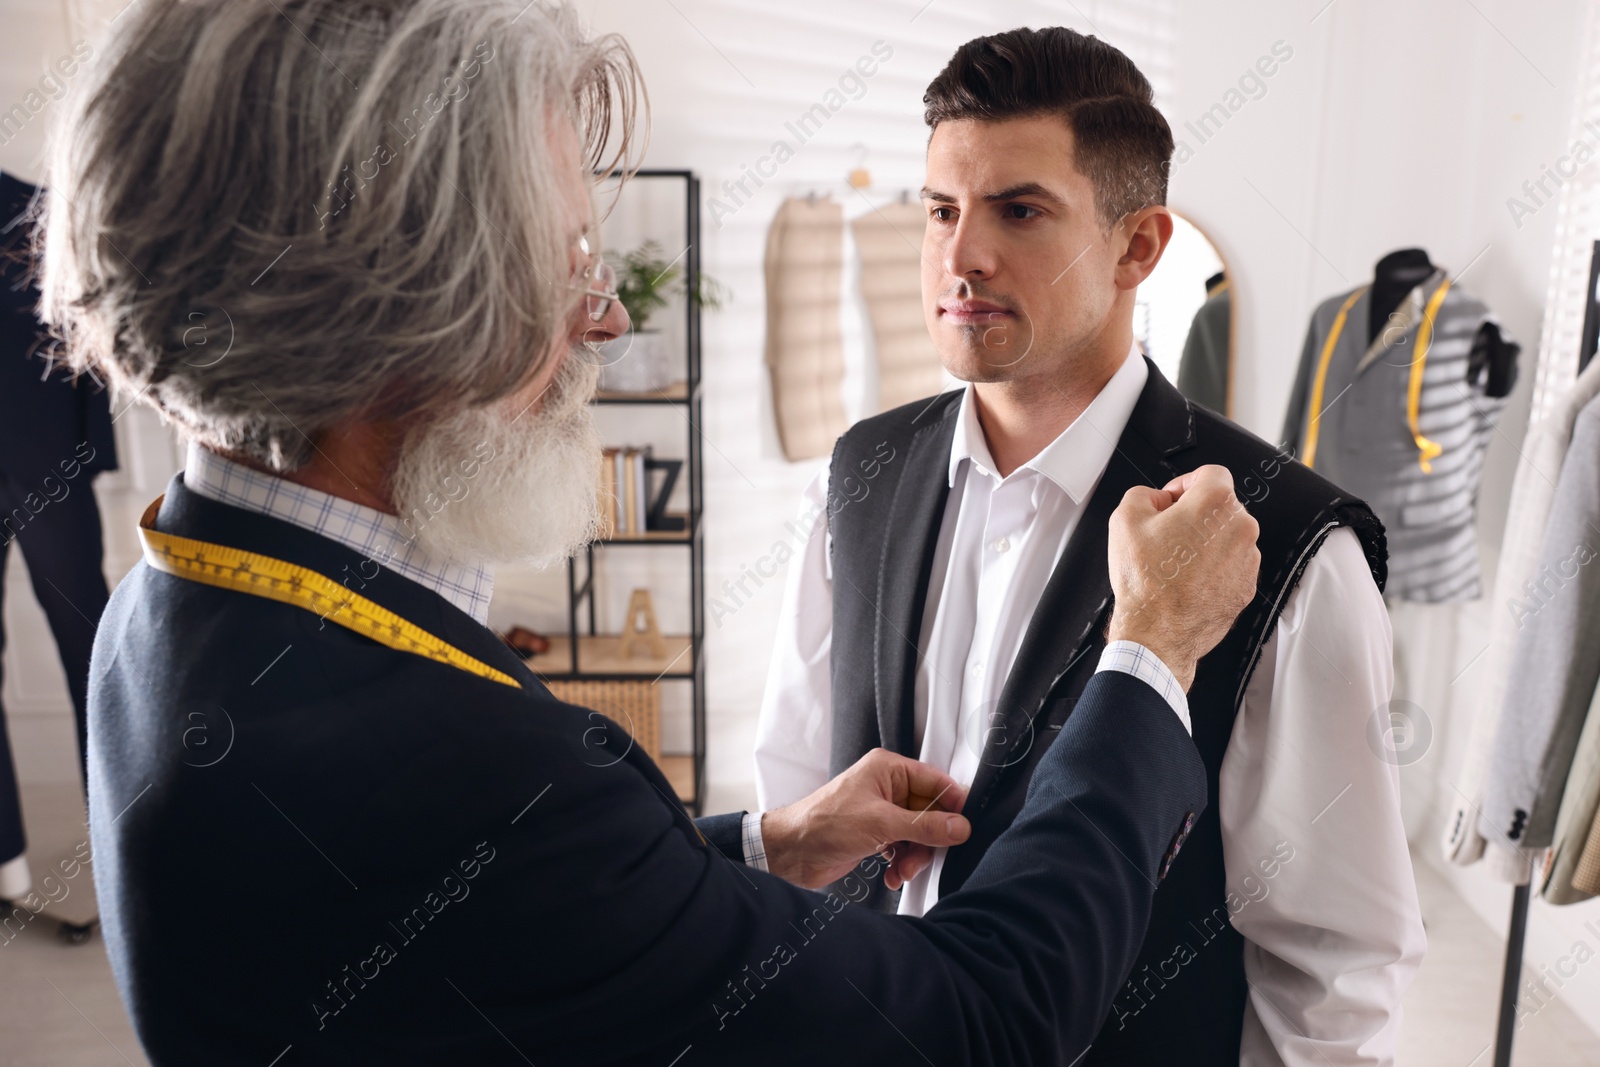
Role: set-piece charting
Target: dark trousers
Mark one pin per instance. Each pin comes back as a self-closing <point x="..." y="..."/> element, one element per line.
<point x="61" y="544"/>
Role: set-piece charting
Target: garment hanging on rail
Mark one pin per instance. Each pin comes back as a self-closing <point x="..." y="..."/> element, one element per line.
<point x="889" y="242"/>
<point x="1586" y="879"/>
<point x="1556" y="662"/>
<point x="804" y="351"/>
<point x="1397" y="405"/>
<point x="1572" y="872"/>
<point x="1533" y="494"/>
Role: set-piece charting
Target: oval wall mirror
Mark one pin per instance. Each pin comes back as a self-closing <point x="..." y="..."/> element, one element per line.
<point x="1183" y="317"/>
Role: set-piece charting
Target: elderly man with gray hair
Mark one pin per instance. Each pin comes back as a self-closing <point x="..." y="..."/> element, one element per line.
<point x="410" y="853"/>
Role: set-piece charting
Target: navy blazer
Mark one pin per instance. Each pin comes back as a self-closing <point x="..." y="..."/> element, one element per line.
<point x="312" y="849"/>
<point x="53" y="427"/>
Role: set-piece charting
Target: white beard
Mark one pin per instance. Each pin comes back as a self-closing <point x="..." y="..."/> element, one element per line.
<point x="501" y="485"/>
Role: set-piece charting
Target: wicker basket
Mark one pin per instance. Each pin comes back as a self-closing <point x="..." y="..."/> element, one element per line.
<point x="635" y="706"/>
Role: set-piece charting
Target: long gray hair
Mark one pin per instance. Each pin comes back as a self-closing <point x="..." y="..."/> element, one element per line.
<point x="269" y="216"/>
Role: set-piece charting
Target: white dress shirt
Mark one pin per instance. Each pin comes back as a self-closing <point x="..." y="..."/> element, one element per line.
<point x="1334" y="933"/>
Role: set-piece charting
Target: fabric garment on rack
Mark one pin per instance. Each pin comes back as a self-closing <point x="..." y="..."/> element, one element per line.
<point x="1532" y="497"/>
<point x="55" y="436"/>
<point x="1555" y="664"/>
<point x="1578" y="822"/>
<point x="805" y="355"/>
<point x="1402" y="420"/>
<point x="889" y="242"/>
<point x="1586" y="879"/>
<point x="1206" y="366"/>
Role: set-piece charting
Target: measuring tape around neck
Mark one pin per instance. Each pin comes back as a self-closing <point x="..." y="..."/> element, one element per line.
<point x="289" y="583"/>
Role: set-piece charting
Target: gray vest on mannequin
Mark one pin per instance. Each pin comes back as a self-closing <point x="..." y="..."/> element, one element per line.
<point x="1184" y="1001"/>
<point x="1404" y="423"/>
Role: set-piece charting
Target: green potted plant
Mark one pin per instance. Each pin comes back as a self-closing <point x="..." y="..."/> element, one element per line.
<point x="646" y="281"/>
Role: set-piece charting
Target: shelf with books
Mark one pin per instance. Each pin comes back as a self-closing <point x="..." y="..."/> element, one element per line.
<point x="634" y="498"/>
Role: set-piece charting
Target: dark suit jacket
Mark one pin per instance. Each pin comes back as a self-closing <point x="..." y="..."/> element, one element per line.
<point x="54" y="426"/>
<point x="310" y="845"/>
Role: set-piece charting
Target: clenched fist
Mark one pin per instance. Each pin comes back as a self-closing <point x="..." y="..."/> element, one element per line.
<point x="1184" y="564"/>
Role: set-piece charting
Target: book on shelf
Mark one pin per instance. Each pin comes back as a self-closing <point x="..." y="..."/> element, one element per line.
<point x="630" y="522"/>
<point x="624" y="492"/>
<point x="619" y="475"/>
<point x="608" y="494"/>
<point x="641" y="491"/>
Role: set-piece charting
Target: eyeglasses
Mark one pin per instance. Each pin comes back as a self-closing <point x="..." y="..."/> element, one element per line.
<point x="598" y="281"/>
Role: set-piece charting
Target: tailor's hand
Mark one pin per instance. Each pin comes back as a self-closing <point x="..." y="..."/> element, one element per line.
<point x="1184" y="564"/>
<point x="863" y="811"/>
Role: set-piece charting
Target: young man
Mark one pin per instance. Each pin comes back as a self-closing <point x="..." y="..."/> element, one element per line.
<point x="335" y="820"/>
<point x="954" y="609"/>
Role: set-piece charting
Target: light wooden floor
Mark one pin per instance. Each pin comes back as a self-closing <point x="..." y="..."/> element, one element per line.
<point x="59" y="1007"/>
<point x="1450" y="1010"/>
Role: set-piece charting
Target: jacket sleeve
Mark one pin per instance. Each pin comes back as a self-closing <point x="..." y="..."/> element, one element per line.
<point x="1554" y="666"/>
<point x="627" y="913"/>
<point x="725" y="833"/>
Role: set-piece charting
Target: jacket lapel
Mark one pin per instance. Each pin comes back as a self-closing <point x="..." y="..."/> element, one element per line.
<point x="1068" y="622"/>
<point x="909" y="541"/>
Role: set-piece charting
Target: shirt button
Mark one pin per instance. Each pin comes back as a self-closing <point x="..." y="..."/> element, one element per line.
<point x="977" y="670"/>
<point x="1002" y="545"/>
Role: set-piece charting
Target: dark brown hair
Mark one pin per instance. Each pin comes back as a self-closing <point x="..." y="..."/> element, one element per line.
<point x="1123" y="144"/>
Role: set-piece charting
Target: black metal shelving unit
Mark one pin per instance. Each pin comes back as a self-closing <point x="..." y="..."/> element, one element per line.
<point x="686" y="771"/>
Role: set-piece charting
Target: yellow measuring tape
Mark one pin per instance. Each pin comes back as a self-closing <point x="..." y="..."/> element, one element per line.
<point x="1427" y="451"/>
<point x="1308" y="454"/>
<point x="287" y="583"/>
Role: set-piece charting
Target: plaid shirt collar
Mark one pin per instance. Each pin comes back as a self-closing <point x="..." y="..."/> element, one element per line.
<point x="380" y="537"/>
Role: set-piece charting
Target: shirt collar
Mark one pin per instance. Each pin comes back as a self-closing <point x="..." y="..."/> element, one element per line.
<point x="1079" y="455"/>
<point x="380" y="537"/>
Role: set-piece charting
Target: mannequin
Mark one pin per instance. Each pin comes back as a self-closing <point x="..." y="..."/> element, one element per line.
<point x="1396" y="374"/>
<point x="1401" y="271"/>
<point x="1395" y="275"/>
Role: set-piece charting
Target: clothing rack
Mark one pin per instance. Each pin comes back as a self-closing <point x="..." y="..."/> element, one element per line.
<point x="1517" y="935"/>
